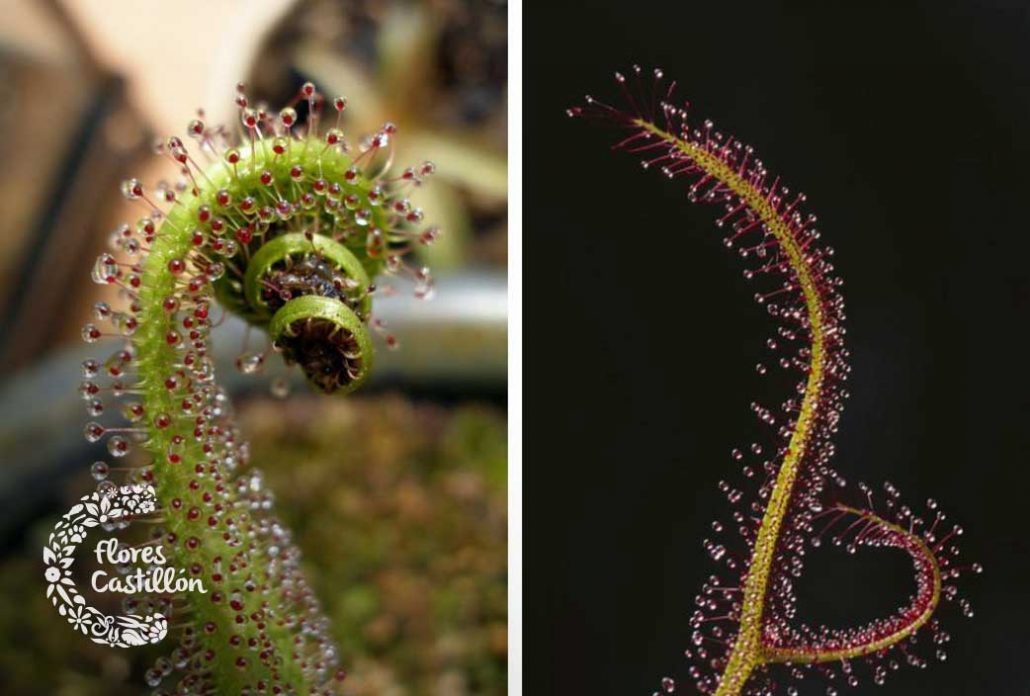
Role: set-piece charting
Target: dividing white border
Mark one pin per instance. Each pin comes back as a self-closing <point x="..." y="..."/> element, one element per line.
<point x="514" y="347"/>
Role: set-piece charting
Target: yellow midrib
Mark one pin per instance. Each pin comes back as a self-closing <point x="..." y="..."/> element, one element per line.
<point x="747" y="651"/>
<point x="801" y="656"/>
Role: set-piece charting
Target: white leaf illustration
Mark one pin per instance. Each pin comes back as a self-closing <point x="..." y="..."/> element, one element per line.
<point x="132" y="637"/>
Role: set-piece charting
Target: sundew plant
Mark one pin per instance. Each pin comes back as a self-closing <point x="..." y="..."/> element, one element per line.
<point x="747" y="636"/>
<point x="287" y="224"/>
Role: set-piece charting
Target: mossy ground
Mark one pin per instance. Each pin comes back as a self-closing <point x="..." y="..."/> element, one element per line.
<point x="400" y="510"/>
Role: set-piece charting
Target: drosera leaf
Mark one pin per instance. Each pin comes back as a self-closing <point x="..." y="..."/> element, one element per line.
<point x="291" y="225"/>
<point x="747" y="637"/>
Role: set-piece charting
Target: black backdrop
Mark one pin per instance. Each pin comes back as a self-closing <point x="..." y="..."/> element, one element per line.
<point x="908" y="126"/>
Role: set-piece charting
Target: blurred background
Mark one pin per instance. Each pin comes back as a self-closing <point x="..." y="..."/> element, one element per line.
<point x="397" y="495"/>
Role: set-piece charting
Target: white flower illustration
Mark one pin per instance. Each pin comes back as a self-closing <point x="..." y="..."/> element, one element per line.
<point x="80" y="618"/>
<point x="99" y="508"/>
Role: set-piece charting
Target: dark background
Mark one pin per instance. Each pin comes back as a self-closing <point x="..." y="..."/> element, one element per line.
<point x="907" y="126"/>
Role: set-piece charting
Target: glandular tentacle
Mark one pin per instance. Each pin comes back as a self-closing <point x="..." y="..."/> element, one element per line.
<point x="287" y="230"/>
<point x="746" y="621"/>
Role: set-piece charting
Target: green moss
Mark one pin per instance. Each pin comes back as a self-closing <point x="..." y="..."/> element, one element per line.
<point x="400" y="511"/>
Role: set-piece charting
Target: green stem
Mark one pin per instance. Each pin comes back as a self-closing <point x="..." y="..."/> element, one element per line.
<point x="263" y="612"/>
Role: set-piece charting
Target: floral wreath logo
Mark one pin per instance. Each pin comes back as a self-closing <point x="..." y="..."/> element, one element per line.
<point x="106" y="509"/>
